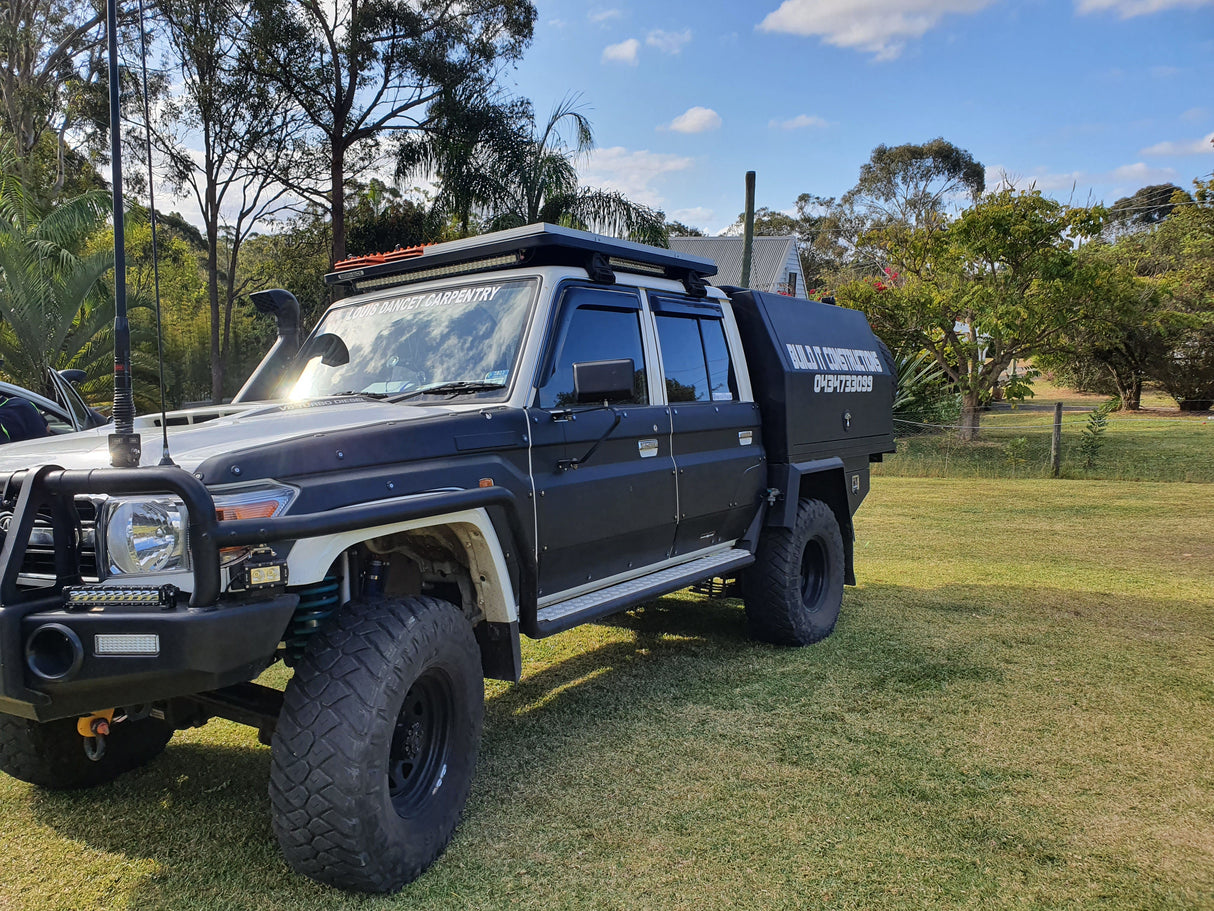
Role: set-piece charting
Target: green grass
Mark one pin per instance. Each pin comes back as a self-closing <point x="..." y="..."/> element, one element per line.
<point x="1014" y="712"/>
<point x="1153" y="446"/>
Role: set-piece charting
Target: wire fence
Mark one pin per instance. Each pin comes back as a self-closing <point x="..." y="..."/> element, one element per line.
<point x="1092" y="443"/>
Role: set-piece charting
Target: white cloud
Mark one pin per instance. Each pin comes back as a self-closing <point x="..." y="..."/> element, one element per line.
<point x="1077" y="183"/>
<point x="668" y="42"/>
<point x="800" y="122"/>
<point x="1203" y="146"/>
<point x="624" y="52"/>
<point x="878" y="27"/>
<point x="695" y="217"/>
<point x="598" y="17"/>
<point x="632" y="173"/>
<point x="1142" y="174"/>
<point x="1196" y="115"/>
<point x="1127" y="9"/>
<point x="695" y="120"/>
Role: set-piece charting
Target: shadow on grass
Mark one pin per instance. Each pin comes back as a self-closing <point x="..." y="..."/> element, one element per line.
<point x="201" y="811"/>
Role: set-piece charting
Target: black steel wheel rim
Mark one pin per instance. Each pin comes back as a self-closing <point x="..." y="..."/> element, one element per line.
<point x="417" y="761"/>
<point x="813" y="574"/>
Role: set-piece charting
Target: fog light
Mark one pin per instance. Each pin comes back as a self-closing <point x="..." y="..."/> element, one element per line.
<point x="117" y="645"/>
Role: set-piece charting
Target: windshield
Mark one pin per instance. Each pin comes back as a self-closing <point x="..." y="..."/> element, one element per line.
<point x="467" y="334"/>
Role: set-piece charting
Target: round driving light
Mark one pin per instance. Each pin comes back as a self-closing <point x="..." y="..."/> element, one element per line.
<point x="146" y="536"/>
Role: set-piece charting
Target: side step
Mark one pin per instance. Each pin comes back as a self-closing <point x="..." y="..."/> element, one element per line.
<point x="567" y="614"/>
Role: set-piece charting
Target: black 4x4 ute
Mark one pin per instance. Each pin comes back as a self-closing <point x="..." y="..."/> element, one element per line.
<point x="507" y="435"/>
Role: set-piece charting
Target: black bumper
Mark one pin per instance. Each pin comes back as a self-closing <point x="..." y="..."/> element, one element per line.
<point x="196" y="650"/>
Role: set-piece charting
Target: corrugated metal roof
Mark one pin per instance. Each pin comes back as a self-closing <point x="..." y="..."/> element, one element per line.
<point x="767" y="261"/>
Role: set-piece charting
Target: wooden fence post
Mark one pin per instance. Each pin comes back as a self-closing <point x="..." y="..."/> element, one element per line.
<point x="1056" y="442"/>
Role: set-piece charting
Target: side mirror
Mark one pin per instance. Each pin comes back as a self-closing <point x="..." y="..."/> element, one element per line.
<point x="603" y="381"/>
<point x="73" y="375"/>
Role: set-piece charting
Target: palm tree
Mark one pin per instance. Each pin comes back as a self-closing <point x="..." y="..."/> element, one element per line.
<point x="53" y="301"/>
<point x="493" y="162"/>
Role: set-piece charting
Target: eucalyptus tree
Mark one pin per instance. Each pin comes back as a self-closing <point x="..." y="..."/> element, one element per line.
<point x="51" y="85"/>
<point x="914" y="185"/>
<point x="224" y="138"/>
<point x="361" y="69"/>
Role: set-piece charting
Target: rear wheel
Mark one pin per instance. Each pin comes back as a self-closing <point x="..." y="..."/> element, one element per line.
<point x="794" y="590"/>
<point x="51" y="754"/>
<point x="376" y="745"/>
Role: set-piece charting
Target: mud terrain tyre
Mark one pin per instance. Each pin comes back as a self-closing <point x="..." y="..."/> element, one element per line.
<point x="50" y="754"/>
<point x="376" y="744"/>
<point x="794" y="590"/>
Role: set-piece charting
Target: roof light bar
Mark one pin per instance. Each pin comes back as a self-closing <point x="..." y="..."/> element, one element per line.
<point x="530" y="245"/>
<point x="421" y="275"/>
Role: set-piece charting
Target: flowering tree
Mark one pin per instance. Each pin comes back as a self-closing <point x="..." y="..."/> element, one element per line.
<point x="999" y="283"/>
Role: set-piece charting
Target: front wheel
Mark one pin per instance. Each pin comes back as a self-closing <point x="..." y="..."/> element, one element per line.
<point x="376" y="744"/>
<point x="794" y="590"/>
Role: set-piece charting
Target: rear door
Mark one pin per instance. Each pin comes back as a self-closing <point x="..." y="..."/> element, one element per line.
<point x="715" y="434"/>
<point x="604" y="477"/>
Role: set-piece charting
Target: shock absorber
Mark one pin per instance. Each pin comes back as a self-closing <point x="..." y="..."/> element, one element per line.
<point x="317" y="602"/>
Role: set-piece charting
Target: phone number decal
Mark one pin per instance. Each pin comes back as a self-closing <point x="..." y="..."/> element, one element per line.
<point x="834" y="382"/>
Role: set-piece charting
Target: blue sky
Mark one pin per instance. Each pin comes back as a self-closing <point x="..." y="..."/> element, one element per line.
<point x="1089" y="99"/>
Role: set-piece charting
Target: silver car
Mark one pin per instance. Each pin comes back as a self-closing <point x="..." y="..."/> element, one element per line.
<point x="67" y="412"/>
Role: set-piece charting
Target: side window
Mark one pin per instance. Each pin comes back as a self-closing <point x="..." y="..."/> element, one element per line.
<point x="696" y="360"/>
<point x="595" y="325"/>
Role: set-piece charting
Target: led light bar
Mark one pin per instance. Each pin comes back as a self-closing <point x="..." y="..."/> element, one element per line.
<point x="126" y="645"/>
<point x="421" y="275"/>
<point x="129" y="596"/>
<point x="632" y="265"/>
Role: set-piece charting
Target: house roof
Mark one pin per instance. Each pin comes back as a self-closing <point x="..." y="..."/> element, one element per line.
<point x="767" y="260"/>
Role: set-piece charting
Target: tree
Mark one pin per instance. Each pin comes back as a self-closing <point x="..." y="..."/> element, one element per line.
<point x="1000" y="283"/>
<point x="522" y="174"/>
<point x="678" y="229"/>
<point x="1146" y="208"/>
<point x="246" y="131"/>
<point x="51" y="69"/>
<point x="56" y="309"/>
<point x="359" y="69"/>
<point x="540" y="184"/>
<point x="914" y="185"/>
<point x="1129" y="343"/>
<point x="821" y="229"/>
<point x="381" y="218"/>
<point x="1183" y="248"/>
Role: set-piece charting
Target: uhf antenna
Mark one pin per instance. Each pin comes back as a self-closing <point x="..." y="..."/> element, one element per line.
<point x="124" y="442"/>
<point x="165" y="458"/>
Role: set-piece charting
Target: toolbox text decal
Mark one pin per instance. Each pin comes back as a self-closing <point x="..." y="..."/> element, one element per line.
<point x="834" y="360"/>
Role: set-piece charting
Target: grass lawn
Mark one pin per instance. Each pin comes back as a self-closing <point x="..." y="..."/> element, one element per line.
<point x="1016" y="711"/>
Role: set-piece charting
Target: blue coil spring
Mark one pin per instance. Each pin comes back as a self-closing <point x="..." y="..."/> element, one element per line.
<point x="316" y="604"/>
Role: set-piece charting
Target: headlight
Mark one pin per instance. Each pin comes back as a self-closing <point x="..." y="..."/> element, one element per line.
<point x="147" y="536"/>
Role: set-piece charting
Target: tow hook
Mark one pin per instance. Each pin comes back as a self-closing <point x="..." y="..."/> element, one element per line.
<point x="94" y="729"/>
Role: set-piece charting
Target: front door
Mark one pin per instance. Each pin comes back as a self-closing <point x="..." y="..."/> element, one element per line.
<point x="604" y="476"/>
